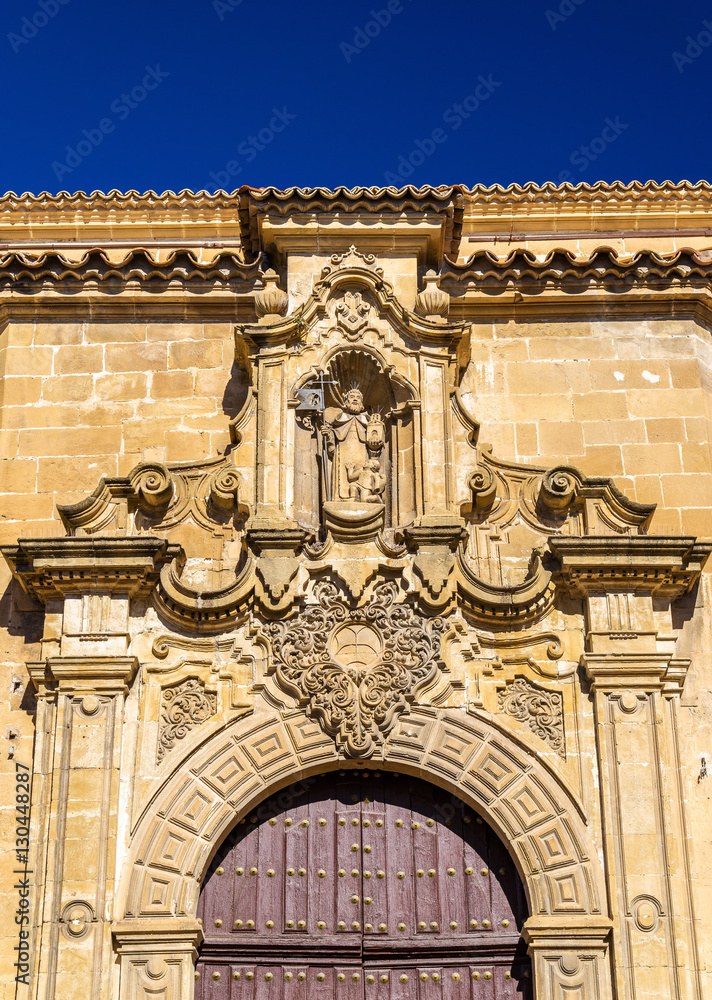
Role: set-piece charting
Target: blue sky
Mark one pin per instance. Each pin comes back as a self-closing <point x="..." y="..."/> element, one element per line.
<point x="219" y="93"/>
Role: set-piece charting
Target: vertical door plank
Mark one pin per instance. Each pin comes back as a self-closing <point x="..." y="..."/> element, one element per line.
<point x="425" y="858"/>
<point x="297" y="987"/>
<point x="375" y="885"/>
<point x="429" y="988"/>
<point x="241" y="988"/>
<point x="504" y="883"/>
<point x="400" y="870"/>
<point x="295" y="824"/>
<point x="456" y="982"/>
<point x="245" y="863"/>
<point x="477" y="886"/>
<point x="403" y="981"/>
<point x="451" y="876"/>
<point x="348" y="859"/>
<point x="217" y="899"/>
<point x="215" y="989"/>
<point x="268" y="982"/>
<point x="322" y="859"/>
<point x="270" y="874"/>
<point x="482" y="982"/>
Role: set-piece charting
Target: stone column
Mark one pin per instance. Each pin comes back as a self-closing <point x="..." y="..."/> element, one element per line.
<point x="86" y="585"/>
<point x="158" y="960"/>
<point x="628" y="585"/>
<point x="570" y="957"/>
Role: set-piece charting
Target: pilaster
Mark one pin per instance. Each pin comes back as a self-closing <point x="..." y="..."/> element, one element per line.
<point x="86" y="585"/>
<point x="628" y="585"/>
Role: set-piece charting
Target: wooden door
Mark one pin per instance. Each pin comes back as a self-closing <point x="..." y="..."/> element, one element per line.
<point x="362" y="885"/>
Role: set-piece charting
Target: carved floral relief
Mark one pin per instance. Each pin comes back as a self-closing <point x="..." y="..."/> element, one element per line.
<point x="182" y="708"/>
<point x="542" y="711"/>
<point x="356" y="670"/>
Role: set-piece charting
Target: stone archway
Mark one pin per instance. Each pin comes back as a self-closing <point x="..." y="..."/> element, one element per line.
<point x="530" y="810"/>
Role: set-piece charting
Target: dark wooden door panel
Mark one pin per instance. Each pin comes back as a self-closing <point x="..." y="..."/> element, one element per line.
<point x="349" y="917"/>
<point x="362" y="886"/>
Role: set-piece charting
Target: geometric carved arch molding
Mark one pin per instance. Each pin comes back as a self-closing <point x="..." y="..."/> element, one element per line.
<point x="516" y="794"/>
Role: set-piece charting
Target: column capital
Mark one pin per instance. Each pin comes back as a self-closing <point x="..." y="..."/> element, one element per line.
<point x="575" y="931"/>
<point x="617" y="672"/>
<point x="570" y="956"/>
<point x="83" y="675"/>
<point x="157" y="934"/>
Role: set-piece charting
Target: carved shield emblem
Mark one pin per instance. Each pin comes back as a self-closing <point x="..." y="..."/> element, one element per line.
<point x="356" y="670"/>
<point x="352" y="314"/>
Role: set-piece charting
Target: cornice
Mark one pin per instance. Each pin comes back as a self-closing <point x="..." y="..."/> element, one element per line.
<point x="616" y="192"/>
<point x="225" y="270"/>
<point x="636" y="193"/>
<point x="258" y="203"/>
<point x="86" y="675"/>
<point x="485" y="271"/>
<point x="661" y="565"/>
<point x="51" y="568"/>
<point x="114" y="200"/>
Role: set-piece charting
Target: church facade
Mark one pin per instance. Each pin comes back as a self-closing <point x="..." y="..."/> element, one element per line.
<point x="354" y="619"/>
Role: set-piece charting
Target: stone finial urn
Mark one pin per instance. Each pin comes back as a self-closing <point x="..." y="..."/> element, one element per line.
<point x="432" y="302"/>
<point x="271" y="302"/>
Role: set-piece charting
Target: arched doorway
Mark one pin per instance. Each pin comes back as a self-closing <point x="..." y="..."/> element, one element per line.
<point x="368" y="885"/>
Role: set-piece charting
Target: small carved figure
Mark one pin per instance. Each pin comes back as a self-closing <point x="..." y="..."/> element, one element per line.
<point x="367" y="483"/>
<point x="354" y="438"/>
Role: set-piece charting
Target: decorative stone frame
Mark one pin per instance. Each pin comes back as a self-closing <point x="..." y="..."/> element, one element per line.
<point x="538" y="820"/>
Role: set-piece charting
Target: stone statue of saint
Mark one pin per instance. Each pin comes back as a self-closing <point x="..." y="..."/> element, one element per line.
<point x="355" y="440"/>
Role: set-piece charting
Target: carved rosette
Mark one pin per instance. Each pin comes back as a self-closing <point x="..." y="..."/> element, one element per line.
<point x="182" y="708"/>
<point x="357" y="670"/>
<point x="542" y="711"/>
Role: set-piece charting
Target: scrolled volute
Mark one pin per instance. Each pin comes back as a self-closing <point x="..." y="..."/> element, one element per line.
<point x="484" y="487"/>
<point x="153" y="484"/>
<point x="559" y="487"/>
<point x="225" y="488"/>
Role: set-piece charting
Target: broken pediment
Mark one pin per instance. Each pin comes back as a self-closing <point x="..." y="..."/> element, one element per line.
<point x="355" y="456"/>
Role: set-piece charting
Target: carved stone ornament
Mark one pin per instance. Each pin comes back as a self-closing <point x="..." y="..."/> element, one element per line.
<point x="272" y="302"/>
<point x="352" y="314"/>
<point x="357" y="670"/>
<point x="542" y="711"/>
<point x="182" y="708"/>
<point x="432" y="302"/>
